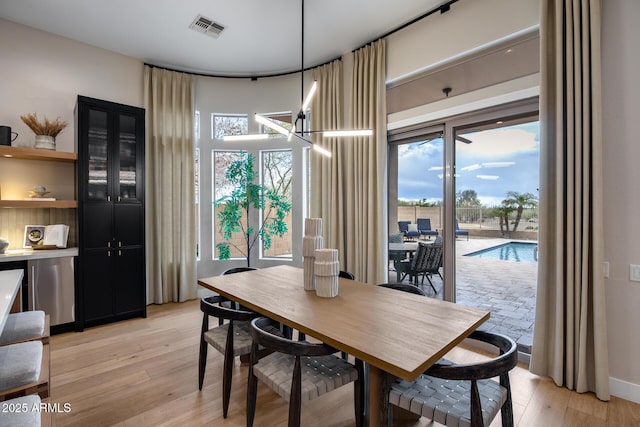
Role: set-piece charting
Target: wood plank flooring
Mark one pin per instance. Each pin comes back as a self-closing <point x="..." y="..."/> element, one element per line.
<point x="143" y="372"/>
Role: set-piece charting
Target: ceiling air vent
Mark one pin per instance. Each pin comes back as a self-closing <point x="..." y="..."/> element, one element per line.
<point x="206" y="26"/>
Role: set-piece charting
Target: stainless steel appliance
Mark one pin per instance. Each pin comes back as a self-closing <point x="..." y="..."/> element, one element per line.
<point x="51" y="288"/>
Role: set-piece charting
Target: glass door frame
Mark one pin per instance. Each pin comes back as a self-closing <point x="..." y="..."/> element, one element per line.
<point x="511" y="113"/>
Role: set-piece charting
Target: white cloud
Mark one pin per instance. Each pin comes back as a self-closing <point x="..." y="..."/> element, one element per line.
<point x="488" y="177"/>
<point x="498" y="164"/>
<point x="498" y="143"/>
<point x="472" y="167"/>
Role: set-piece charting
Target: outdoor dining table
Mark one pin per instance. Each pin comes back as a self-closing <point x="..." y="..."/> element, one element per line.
<point x="400" y="251"/>
<point x="398" y="334"/>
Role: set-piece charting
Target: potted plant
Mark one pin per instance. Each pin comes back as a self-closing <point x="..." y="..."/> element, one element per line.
<point x="236" y="209"/>
<point x="46" y="130"/>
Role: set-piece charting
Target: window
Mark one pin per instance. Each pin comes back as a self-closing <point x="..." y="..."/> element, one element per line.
<point x="283" y="119"/>
<point x="196" y="179"/>
<point x="277" y="176"/>
<point x="221" y="187"/>
<point x="229" y="124"/>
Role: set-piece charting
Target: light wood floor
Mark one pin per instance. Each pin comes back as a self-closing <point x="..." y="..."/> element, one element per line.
<point x="143" y="372"/>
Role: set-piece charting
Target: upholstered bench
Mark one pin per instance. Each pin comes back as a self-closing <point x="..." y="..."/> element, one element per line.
<point x="20" y="411"/>
<point x="24" y="369"/>
<point x="25" y="326"/>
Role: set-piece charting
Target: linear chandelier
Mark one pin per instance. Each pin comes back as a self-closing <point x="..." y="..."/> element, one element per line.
<point x="301" y="116"/>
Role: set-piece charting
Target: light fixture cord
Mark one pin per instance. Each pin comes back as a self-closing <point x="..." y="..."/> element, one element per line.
<point x="302" y="58"/>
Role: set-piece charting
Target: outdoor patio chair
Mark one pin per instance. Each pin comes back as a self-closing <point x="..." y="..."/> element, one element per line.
<point x="424" y="227"/>
<point x="425" y="263"/>
<point x="456" y="395"/>
<point x="409" y="230"/>
<point x="460" y="232"/>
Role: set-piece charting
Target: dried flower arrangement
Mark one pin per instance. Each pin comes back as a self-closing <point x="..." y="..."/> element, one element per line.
<point x="46" y="127"/>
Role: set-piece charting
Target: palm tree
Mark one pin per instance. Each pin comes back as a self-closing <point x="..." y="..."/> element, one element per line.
<point x="503" y="213"/>
<point x="519" y="201"/>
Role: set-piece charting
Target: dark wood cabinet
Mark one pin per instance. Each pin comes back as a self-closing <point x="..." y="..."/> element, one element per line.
<point x="110" y="172"/>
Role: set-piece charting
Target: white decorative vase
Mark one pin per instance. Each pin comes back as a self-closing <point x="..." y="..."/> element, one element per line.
<point x="311" y="241"/>
<point x="45" y="142"/>
<point x="326" y="270"/>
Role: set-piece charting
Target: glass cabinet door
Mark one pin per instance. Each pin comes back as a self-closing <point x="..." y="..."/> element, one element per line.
<point x="97" y="164"/>
<point x="127" y="158"/>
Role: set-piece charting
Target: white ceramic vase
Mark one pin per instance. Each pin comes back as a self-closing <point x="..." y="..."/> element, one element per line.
<point x="45" y="142"/>
<point x="326" y="270"/>
<point x="311" y="241"/>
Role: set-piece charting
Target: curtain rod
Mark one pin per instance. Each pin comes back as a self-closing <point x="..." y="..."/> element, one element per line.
<point x="443" y="8"/>
<point x="252" y="77"/>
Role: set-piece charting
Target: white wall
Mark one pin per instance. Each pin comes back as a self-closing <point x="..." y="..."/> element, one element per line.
<point x="621" y="109"/>
<point x="467" y="27"/>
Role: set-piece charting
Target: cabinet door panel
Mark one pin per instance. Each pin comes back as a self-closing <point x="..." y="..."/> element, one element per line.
<point x="129" y="281"/>
<point x="97" y="225"/>
<point x="98" y="285"/>
<point x="128" y="157"/>
<point x="128" y="224"/>
<point x="97" y="163"/>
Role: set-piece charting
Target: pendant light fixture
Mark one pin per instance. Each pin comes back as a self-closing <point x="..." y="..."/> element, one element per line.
<point x="301" y="116"/>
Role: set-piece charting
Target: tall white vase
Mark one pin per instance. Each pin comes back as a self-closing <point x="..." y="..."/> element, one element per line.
<point x="326" y="270"/>
<point x="311" y="241"/>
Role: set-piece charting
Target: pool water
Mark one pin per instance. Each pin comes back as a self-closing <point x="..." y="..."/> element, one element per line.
<point x="512" y="251"/>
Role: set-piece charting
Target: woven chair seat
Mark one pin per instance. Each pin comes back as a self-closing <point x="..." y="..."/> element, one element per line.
<point x="320" y="374"/>
<point x="447" y="402"/>
<point x="217" y="337"/>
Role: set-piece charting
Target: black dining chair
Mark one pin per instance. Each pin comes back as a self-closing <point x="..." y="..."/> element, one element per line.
<point x="231" y="339"/>
<point x="456" y="395"/>
<point x="404" y="287"/>
<point x="298" y="371"/>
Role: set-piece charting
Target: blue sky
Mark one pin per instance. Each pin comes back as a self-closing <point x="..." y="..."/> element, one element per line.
<point x="497" y="161"/>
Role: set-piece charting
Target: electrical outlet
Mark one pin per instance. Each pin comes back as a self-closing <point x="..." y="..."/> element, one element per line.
<point x="634" y="273"/>
<point x="606" y="269"/>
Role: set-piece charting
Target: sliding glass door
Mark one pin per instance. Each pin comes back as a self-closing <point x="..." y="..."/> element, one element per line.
<point x="475" y="176"/>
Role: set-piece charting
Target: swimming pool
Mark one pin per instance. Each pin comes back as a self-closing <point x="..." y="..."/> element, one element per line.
<point x="511" y="251"/>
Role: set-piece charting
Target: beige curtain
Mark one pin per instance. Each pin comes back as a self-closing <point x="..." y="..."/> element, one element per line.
<point x="348" y="190"/>
<point x="170" y="215"/>
<point x="570" y="333"/>
<point x="327" y="180"/>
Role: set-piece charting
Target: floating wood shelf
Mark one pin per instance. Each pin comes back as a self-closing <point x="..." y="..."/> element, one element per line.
<point x="37" y="154"/>
<point x="57" y="204"/>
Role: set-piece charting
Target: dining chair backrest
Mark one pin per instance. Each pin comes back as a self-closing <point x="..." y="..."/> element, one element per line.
<point x="237" y="270"/>
<point x="346" y="275"/>
<point x="404" y="287"/>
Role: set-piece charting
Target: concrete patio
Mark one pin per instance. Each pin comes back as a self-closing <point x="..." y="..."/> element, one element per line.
<point x="505" y="288"/>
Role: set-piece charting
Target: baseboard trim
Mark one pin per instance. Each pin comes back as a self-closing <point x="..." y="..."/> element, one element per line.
<point x="624" y="389"/>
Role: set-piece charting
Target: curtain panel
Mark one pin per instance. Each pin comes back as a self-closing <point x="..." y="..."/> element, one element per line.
<point x="348" y="190"/>
<point x="570" y="341"/>
<point x="170" y="215"/>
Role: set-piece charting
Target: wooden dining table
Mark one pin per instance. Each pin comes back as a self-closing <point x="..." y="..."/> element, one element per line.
<point x="397" y="333"/>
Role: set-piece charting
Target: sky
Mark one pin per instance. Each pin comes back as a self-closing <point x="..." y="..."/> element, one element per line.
<point x="497" y="161"/>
